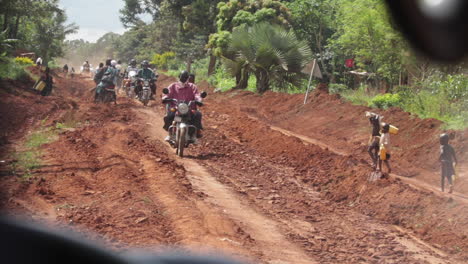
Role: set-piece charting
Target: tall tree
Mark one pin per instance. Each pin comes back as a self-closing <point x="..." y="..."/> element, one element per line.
<point x="272" y="53"/>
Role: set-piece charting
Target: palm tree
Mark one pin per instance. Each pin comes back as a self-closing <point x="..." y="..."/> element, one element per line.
<point x="271" y="52"/>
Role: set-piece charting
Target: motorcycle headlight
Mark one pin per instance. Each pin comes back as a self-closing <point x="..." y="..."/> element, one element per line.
<point x="183" y="109"/>
<point x="146" y="83"/>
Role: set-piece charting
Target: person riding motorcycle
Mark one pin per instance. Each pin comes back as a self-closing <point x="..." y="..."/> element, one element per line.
<point x="183" y="91"/>
<point x="108" y="79"/>
<point x="147" y="74"/>
<point x="86" y="66"/>
<point x="132" y="66"/>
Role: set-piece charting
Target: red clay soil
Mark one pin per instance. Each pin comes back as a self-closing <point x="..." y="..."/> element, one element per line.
<point x="247" y="190"/>
<point x="344" y="127"/>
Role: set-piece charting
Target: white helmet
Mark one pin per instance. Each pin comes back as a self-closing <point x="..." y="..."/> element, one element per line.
<point x="113" y="62"/>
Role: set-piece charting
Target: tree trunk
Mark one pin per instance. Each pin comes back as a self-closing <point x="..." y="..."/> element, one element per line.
<point x="211" y="65"/>
<point x="244" y="79"/>
<point x="263" y="82"/>
<point x="189" y="65"/>
<point x="5" y="22"/>
<point x="14" y="32"/>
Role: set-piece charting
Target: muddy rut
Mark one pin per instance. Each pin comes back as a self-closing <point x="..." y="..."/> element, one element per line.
<point x="246" y="191"/>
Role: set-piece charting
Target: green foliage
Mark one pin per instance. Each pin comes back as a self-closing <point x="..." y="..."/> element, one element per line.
<point x="162" y="61"/>
<point x="442" y="97"/>
<point x="360" y="96"/>
<point x="222" y="80"/>
<point x="9" y="69"/>
<point x="385" y="101"/>
<point x="315" y="21"/>
<point x="235" y="13"/>
<point x="364" y="31"/>
<point x="26" y="161"/>
<point x="337" y="88"/>
<point x="24" y="61"/>
<point x="274" y="55"/>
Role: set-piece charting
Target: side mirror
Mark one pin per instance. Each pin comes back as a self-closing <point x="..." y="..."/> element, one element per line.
<point x="165" y="91"/>
<point x="203" y="94"/>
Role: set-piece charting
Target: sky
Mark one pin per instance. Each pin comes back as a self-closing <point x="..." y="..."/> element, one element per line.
<point x="94" y="17"/>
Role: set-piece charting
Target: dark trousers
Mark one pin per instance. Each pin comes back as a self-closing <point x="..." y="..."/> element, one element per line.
<point x="196" y="120"/>
<point x="373" y="150"/>
<point x="447" y="171"/>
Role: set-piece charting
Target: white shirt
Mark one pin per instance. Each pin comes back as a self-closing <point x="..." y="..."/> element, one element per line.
<point x="385" y="140"/>
<point x="39" y="60"/>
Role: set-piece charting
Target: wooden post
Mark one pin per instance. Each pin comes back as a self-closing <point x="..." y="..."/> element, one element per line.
<point x="310" y="80"/>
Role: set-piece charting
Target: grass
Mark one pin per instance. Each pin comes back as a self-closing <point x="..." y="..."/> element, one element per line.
<point x="423" y="104"/>
<point x="29" y="155"/>
<point x="359" y="96"/>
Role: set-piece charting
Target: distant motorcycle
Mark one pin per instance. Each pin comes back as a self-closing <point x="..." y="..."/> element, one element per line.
<point x="129" y="84"/>
<point x="182" y="133"/>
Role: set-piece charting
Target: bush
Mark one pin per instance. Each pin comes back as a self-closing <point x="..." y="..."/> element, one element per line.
<point x="385" y="101"/>
<point x="222" y="80"/>
<point x="359" y="96"/>
<point x="162" y="61"/>
<point x="24" y="61"/>
<point x="9" y="69"/>
<point x="337" y="88"/>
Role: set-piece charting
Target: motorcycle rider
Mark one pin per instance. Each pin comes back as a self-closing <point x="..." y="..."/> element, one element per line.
<point x="106" y="77"/>
<point x="85" y="67"/>
<point x="147" y="74"/>
<point x="183" y="91"/>
<point x="132" y="66"/>
<point x="118" y="66"/>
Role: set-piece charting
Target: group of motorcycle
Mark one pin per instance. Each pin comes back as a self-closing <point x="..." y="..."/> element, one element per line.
<point x="182" y="132"/>
<point x="130" y="84"/>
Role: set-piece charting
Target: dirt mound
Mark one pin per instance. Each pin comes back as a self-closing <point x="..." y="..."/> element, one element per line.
<point x="337" y="123"/>
<point x="341" y="178"/>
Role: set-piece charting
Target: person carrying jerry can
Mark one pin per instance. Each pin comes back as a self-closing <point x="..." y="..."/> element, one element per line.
<point x="384" y="151"/>
<point x="373" y="146"/>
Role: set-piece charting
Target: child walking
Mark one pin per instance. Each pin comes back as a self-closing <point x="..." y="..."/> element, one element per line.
<point x="447" y="159"/>
<point x="384" y="152"/>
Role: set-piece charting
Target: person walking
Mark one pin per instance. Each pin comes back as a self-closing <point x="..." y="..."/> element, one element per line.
<point x="448" y="161"/>
<point x="47" y="78"/>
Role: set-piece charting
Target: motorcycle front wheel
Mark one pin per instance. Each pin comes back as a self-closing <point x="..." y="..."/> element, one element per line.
<point x="181" y="143"/>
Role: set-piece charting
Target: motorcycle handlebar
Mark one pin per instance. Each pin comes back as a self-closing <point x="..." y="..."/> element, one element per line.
<point x="168" y="100"/>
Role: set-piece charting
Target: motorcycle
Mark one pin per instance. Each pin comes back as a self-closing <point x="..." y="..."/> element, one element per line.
<point x="106" y="94"/>
<point x="129" y="84"/>
<point x="182" y="133"/>
<point x="145" y="93"/>
<point x="86" y="70"/>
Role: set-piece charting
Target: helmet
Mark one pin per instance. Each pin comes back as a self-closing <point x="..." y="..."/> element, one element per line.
<point x="184" y="75"/>
<point x="113" y="62"/>
<point x="444" y="139"/>
<point x="145" y="63"/>
<point x="133" y="62"/>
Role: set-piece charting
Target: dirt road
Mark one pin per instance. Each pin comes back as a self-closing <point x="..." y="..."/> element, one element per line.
<point x="247" y="190"/>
